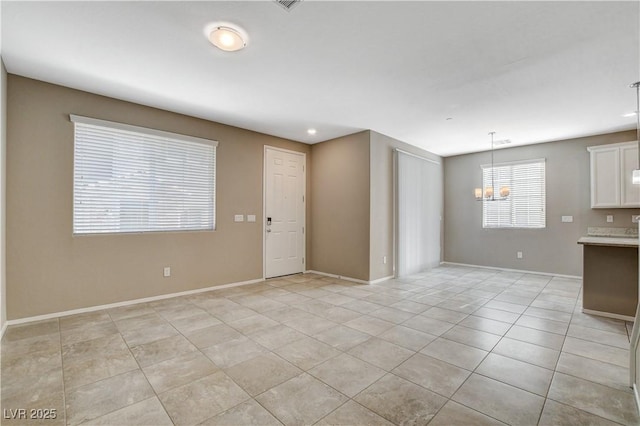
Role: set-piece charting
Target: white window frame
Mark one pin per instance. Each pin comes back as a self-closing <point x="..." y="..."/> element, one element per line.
<point x="141" y="180"/>
<point x="525" y="207"/>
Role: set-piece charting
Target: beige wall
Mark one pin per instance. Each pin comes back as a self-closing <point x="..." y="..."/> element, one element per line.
<point x="49" y="270"/>
<point x="3" y="203"/>
<point x="381" y="213"/>
<point x="340" y="209"/>
<point x="553" y="249"/>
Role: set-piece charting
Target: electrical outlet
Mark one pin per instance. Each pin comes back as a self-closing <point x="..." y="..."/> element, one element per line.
<point x="251" y="218"/>
<point x="635" y="218"/>
<point x="519" y="255"/>
<point x="167" y="271"/>
<point x="238" y="218"/>
<point x="609" y="218"/>
<point x="567" y="219"/>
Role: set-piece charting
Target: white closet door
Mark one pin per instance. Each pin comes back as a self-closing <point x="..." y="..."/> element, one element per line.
<point x="419" y="206"/>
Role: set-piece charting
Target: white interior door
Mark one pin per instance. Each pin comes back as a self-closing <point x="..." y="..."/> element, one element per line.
<point x="284" y="210"/>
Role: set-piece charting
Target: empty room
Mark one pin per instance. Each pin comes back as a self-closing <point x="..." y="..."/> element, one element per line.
<point x="316" y="212"/>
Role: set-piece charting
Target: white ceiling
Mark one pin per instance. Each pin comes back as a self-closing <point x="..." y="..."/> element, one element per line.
<point x="531" y="71"/>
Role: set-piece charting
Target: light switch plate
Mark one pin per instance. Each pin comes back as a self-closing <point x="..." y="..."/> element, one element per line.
<point x="251" y="218"/>
<point x="609" y="218"/>
<point x="567" y="219"/>
<point x="238" y="218"/>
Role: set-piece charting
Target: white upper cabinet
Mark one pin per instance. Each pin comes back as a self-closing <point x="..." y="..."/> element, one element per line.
<point x="629" y="193"/>
<point x="611" y="170"/>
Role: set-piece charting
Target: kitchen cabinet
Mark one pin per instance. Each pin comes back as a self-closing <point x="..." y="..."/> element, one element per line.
<point x="611" y="169"/>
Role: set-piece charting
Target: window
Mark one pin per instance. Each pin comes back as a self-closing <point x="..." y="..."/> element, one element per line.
<point x="525" y="206"/>
<point x="133" y="179"/>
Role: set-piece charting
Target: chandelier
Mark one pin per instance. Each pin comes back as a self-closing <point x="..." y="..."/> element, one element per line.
<point x="489" y="191"/>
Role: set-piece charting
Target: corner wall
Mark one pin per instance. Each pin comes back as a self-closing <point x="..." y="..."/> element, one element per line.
<point x="49" y="270"/>
<point x="340" y="207"/>
<point x="553" y="249"/>
<point x="382" y="193"/>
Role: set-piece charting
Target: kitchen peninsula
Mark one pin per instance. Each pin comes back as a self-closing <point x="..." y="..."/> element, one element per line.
<point x="610" y="275"/>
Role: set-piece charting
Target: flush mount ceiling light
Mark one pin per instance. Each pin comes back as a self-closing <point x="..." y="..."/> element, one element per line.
<point x="226" y="37"/>
<point x="311" y="131"/>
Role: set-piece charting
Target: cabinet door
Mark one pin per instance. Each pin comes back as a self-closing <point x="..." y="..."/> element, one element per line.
<point x="605" y="178"/>
<point x="630" y="193"/>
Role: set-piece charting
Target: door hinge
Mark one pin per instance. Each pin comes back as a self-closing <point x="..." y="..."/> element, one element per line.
<point x="303" y="198"/>
<point x="303" y="168"/>
<point x="303" y="229"/>
<point x="303" y="260"/>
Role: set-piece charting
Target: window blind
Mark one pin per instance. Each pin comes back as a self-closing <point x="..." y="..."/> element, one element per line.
<point x="525" y="206"/>
<point x="418" y="210"/>
<point x="133" y="179"/>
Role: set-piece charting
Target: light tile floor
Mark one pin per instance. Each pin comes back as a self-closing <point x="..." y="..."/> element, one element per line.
<point x="453" y="346"/>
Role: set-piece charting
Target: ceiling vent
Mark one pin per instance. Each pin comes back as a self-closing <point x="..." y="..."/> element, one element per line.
<point x="288" y="4"/>
<point x="502" y="142"/>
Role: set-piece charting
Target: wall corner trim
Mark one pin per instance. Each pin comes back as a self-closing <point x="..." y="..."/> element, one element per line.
<point x="125" y="303"/>
<point x="4" y="328"/>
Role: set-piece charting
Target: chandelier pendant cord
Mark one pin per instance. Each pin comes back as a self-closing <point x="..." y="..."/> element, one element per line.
<point x="493" y="170"/>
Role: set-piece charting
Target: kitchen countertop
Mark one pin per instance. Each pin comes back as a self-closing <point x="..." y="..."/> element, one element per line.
<point x="609" y="241"/>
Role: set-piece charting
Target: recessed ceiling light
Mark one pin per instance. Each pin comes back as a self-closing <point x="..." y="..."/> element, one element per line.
<point x="630" y="114"/>
<point x="312" y="131"/>
<point x="227" y="38"/>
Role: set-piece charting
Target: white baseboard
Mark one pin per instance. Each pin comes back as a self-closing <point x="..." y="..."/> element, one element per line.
<point x="608" y="315"/>
<point x="355" y="280"/>
<point x="4" y="328"/>
<point x="125" y="303"/>
<point x="523" y="271"/>
<point x="162" y="297"/>
<point x="340" y="277"/>
<point x="381" y="280"/>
